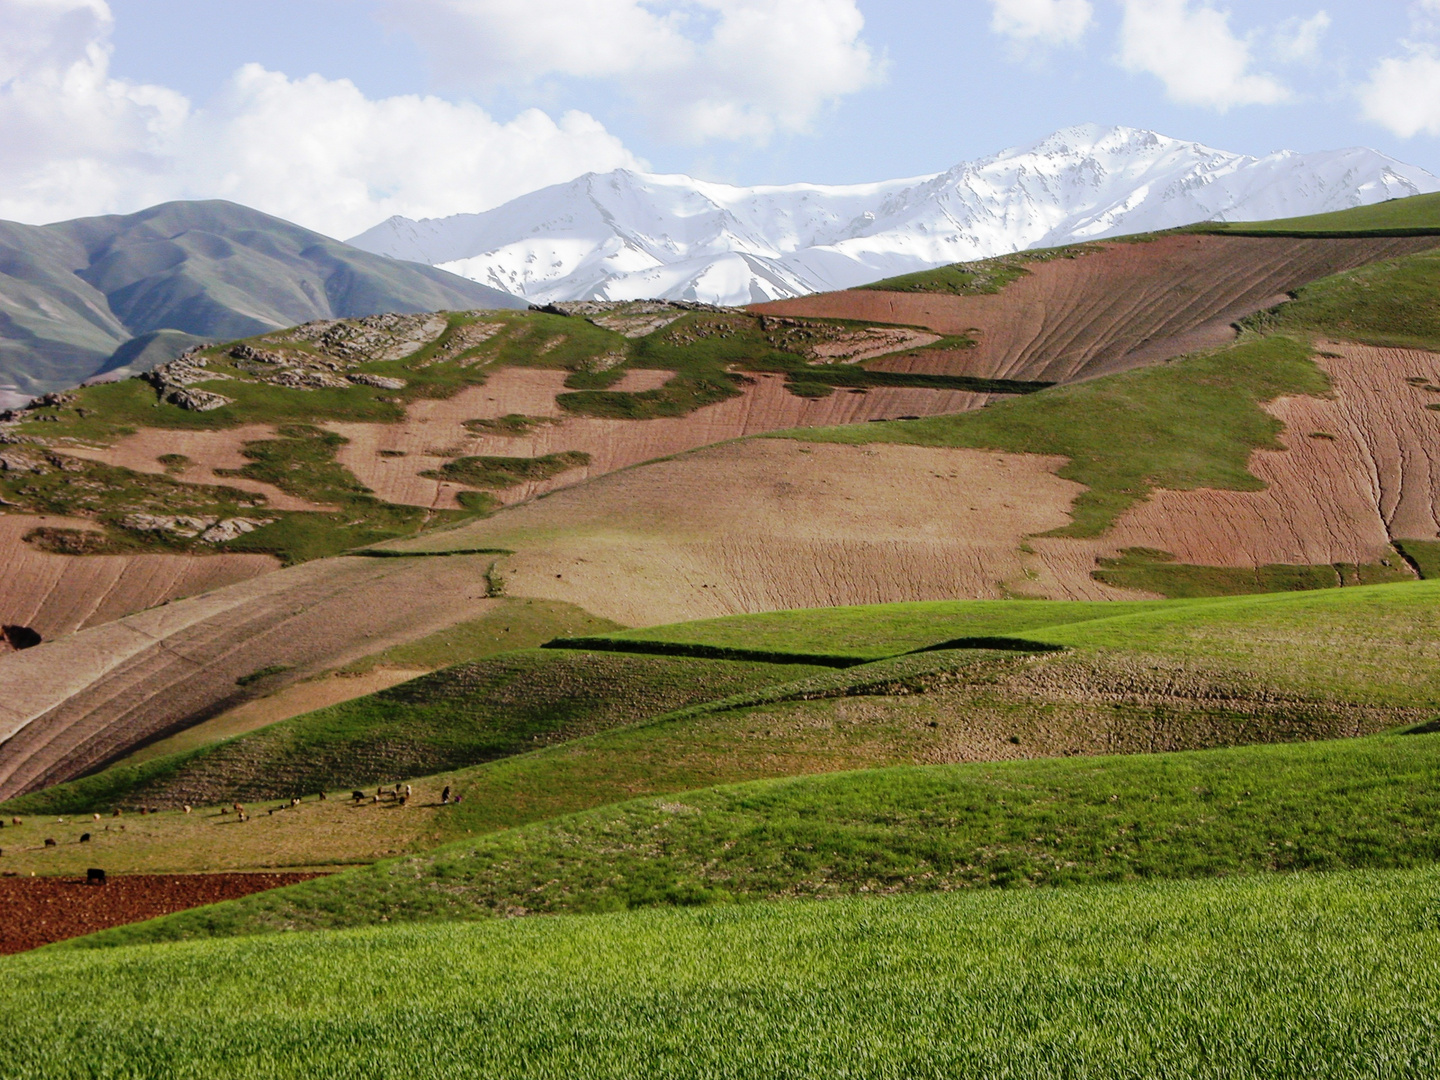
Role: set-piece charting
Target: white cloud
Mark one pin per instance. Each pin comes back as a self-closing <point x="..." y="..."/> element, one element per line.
<point x="1297" y="40"/>
<point x="1193" y="51"/>
<point x="1403" y="93"/>
<point x="314" y="150"/>
<point x="698" y="69"/>
<point x="1048" y="21"/>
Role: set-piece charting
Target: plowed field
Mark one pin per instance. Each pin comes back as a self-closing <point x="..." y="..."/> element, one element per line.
<point x="72" y="704"/>
<point x="58" y="594"/>
<point x="39" y="911"/>
<point x="767" y="524"/>
<point x="1124" y="306"/>
<point x="1358" y="470"/>
<point x="389" y="457"/>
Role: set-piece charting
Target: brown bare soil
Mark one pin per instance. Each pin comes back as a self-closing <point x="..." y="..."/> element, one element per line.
<point x="768" y="524"/>
<point x="207" y="451"/>
<point x="433" y="431"/>
<point x="58" y="594"/>
<point x="1124" y="306"/>
<point x="73" y="704"/>
<point x="39" y="911"/>
<point x="1358" y="471"/>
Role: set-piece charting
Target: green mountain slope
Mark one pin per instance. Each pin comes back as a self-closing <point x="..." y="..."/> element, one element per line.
<point x="74" y="294"/>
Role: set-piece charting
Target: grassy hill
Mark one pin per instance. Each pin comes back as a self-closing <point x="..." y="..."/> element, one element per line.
<point x="1418" y="214"/>
<point x="1288" y="975"/>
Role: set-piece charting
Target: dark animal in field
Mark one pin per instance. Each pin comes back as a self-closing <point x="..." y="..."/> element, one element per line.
<point x="322" y="796"/>
<point x="49" y="842"/>
<point x="94" y="877"/>
<point x="445" y="795"/>
<point x="357" y="795"/>
<point x="84" y="837"/>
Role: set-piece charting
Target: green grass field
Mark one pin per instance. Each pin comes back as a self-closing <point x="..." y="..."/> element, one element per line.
<point x="1353" y="804"/>
<point x="1321" y="976"/>
<point x="1410" y="216"/>
<point x="467" y="714"/>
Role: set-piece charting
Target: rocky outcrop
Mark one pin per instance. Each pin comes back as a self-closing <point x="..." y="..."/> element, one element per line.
<point x="210" y="530"/>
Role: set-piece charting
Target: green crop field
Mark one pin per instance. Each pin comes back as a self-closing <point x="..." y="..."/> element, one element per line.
<point x="1321" y="976"/>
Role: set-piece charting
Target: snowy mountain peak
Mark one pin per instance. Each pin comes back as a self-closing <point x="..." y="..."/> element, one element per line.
<point x="626" y="235"/>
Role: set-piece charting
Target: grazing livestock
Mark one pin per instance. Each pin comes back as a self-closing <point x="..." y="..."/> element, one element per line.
<point x="322" y="796"/>
<point x="49" y="842"/>
<point x="357" y="795"/>
<point x="97" y="817"/>
<point x="84" y="837"/>
<point x="186" y="809"/>
<point x="94" y="876"/>
<point x="14" y="821"/>
<point x="445" y="795"/>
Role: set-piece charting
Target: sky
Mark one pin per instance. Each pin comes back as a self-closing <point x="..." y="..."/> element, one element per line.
<point x="338" y="113"/>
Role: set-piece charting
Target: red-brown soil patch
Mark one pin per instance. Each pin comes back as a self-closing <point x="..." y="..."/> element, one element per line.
<point x="1124" y="306"/>
<point x="765" y="405"/>
<point x="1358" y="470"/>
<point x="58" y="594"/>
<point x="207" y="451"/>
<point x="42" y="910"/>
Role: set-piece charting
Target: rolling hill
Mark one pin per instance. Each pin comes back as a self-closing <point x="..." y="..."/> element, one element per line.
<point x="121" y="294"/>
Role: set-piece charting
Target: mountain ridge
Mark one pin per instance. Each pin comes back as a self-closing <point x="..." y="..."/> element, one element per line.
<point x="103" y="295"/>
<point x="628" y="235"/>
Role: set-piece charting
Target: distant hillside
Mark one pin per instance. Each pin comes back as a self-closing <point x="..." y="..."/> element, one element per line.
<point x="625" y="235"/>
<point x="80" y="298"/>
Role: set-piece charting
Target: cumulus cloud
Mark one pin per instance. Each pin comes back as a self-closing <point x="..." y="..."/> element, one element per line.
<point x="1047" y="21"/>
<point x="1402" y="93"/>
<point x="1192" y="50"/>
<point x="698" y="69"/>
<point x="314" y="150"/>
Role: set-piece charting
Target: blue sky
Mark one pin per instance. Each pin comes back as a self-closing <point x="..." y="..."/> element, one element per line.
<point x="336" y="113"/>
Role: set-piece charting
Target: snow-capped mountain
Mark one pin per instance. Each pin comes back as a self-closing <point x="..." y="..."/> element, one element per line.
<point x="626" y="235"/>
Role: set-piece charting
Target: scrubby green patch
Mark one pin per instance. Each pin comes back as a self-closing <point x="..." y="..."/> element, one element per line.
<point x="1185" y="425"/>
<point x="467" y="714"/>
<point x="505" y="472"/>
<point x="511" y="426"/>
<point x="1150" y="570"/>
<point x="1354" y="804"/>
<point x="1423" y="555"/>
<point x="174" y="463"/>
<point x="123" y="502"/>
<point x="980" y="277"/>
<point x="1325" y="976"/>
<point x="1390" y="303"/>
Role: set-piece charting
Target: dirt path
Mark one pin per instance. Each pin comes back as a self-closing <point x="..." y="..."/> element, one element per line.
<point x="39" y="911"/>
<point x="1127" y="305"/>
<point x="390" y="457"/>
<point x="58" y="594"/>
